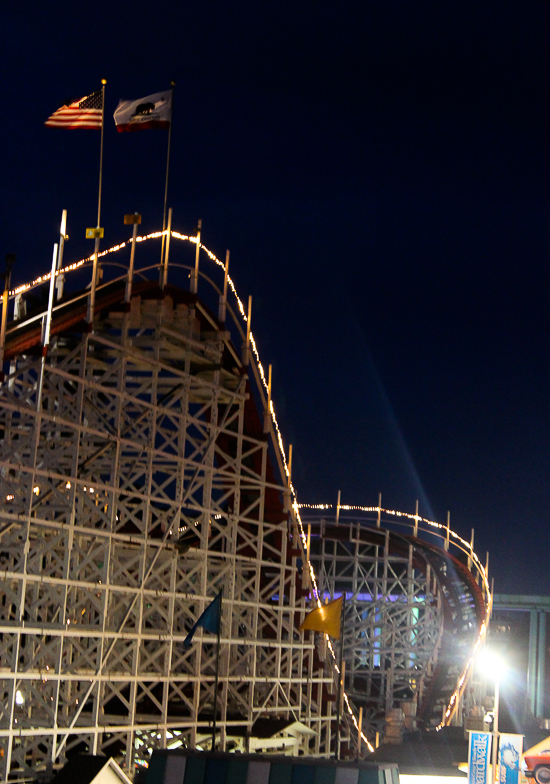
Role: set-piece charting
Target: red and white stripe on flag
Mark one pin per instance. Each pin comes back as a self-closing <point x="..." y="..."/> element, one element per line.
<point x="86" y="112"/>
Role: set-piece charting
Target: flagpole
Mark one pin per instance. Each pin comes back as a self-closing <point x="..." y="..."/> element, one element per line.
<point x="91" y="306"/>
<point x="103" y="83"/>
<point x="340" y="676"/>
<point x="216" y="680"/>
<point x="173" y="84"/>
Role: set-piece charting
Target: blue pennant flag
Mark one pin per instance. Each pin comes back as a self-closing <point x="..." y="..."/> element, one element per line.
<point x="209" y="620"/>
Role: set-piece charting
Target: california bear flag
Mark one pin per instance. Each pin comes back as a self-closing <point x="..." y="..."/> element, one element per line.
<point x="153" y="111"/>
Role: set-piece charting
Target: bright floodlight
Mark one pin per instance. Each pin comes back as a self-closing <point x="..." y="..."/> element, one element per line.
<point x="492" y="664"/>
<point x="19" y="699"/>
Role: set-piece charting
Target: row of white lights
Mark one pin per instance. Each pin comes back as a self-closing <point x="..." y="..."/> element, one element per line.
<point x="467" y="545"/>
<point x="296" y="507"/>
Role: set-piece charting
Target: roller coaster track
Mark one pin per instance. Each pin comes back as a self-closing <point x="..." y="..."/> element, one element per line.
<point x="424" y="574"/>
<point x="75" y="368"/>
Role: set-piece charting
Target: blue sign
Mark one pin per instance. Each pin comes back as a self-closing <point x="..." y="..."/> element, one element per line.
<point x="478" y="757"/>
<point x="510" y="750"/>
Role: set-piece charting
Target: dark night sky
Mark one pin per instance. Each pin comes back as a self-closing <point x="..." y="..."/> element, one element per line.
<point x="379" y="171"/>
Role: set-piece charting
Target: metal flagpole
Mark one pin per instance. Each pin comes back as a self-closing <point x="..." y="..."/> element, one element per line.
<point x="495" y="738"/>
<point x="341" y="675"/>
<point x="217" y="674"/>
<point x="173" y="84"/>
<point x="97" y="233"/>
<point x="103" y="83"/>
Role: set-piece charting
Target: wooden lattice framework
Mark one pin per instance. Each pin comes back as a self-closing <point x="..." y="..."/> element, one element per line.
<point x="137" y="479"/>
<point x="141" y="470"/>
<point x="393" y="619"/>
<point x="414" y="612"/>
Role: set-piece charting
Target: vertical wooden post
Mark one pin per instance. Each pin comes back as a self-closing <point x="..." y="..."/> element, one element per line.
<point x="195" y="275"/>
<point x="246" y="352"/>
<point x="134" y="219"/>
<point x="217" y="676"/>
<point x="289" y="464"/>
<point x="222" y="307"/>
<point x="342" y="673"/>
<point x="10" y="260"/>
<point x="287" y="498"/>
<point x="48" y="322"/>
<point x="167" y="251"/>
<point x="60" y="277"/>
<point x="267" y="412"/>
<point x="46" y="328"/>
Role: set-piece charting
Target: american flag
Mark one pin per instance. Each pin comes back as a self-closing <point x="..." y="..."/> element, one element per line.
<point x="87" y="112"/>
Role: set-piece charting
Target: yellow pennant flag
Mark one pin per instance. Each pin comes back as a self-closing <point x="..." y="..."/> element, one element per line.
<point x="325" y="619"/>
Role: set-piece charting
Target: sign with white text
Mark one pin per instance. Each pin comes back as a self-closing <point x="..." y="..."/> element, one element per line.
<point x="478" y="757"/>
